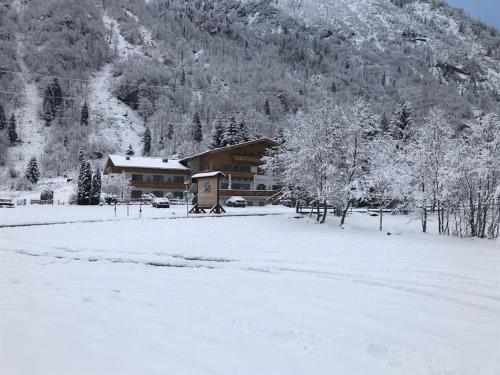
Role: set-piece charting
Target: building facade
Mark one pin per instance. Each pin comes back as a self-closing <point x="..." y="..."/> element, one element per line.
<point x="161" y="177"/>
<point x="242" y="167"/>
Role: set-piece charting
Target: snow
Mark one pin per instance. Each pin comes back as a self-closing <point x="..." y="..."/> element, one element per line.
<point x="247" y="295"/>
<point x="145" y="162"/>
<point x="207" y="174"/>
<point x="30" y="127"/>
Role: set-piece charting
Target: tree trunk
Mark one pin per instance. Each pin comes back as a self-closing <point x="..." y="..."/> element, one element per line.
<point x="424" y="219"/>
<point x="380" y="219"/>
<point x="318" y="213"/>
<point x="324" y="212"/>
<point x="344" y="213"/>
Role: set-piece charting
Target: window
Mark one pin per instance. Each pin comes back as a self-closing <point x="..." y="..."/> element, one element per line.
<point x="158" y="194"/>
<point x="224" y="185"/>
<point x="137" y="177"/>
<point x="158" y="178"/>
<point x="136" y="194"/>
<point x="261" y="187"/>
<point x="178" y="179"/>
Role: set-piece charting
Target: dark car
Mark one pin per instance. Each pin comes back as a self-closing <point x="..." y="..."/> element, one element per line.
<point x="6" y="202"/>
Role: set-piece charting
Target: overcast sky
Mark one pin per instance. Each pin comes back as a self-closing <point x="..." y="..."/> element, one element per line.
<point x="487" y="11"/>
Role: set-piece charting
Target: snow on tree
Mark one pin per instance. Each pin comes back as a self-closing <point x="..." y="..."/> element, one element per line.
<point x="53" y="101"/>
<point x="401" y="125"/>
<point x="130" y="151"/>
<point x="146" y="142"/>
<point x="84" y="184"/>
<point x="170" y="131"/>
<point x="217" y="133"/>
<point x="117" y="186"/>
<point x="95" y="188"/>
<point x="81" y="155"/>
<point x="84" y="115"/>
<point x="3" y="118"/>
<point x="12" y="131"/>
<point x="32" y="171"/>
<point x="197" y="132"/>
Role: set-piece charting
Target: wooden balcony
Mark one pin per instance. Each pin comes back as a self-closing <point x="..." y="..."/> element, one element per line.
<point x="157" y="185"/>
<point x="247" y="193"/>
<point x="248" y="159"/>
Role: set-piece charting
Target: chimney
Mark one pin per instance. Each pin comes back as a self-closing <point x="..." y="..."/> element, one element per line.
<point x="165" y="160"/>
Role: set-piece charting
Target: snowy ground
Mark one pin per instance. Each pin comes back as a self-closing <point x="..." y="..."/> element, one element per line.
<point x="246" y="295"/>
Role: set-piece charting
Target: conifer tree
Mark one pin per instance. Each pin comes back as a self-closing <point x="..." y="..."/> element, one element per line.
<point x="217" y="133"/>
<point x="84" y="115"/>
<point x="32" y="172"/>
<point x="231" y="132"/>
<point x="130" y="151"/>
<point x="401" y="125"/>
<point x="66" y="141"/>
<point x="183" y="77"/>
<point x="242" y="132"/>
<point x="84" y="183"/>
<point x="146" y="139"/>
<point x="81" y="155"/>
<point x="11" y="131"/>
<point x="197" y="132"/>
<point x="267" y="108"/>
<point x="3" y="119"/>
<point x="95" y="188"/>
<point x="170" y="131"/>
<point x="53" y="102"/>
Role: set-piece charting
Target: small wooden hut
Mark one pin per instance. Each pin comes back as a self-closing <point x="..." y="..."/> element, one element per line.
<point x="208" y="184"/>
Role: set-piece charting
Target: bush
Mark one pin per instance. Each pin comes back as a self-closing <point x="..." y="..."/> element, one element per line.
<point x="47" y="195"/>
<point x="13" y="173"/>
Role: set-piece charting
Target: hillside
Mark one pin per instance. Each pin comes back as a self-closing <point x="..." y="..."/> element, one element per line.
<point x="158" y="63"/>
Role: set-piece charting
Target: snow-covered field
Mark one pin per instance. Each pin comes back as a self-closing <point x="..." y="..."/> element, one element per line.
<point x="245" y="295"/>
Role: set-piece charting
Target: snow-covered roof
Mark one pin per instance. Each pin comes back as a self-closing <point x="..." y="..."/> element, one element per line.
<point x="144" y="162"/>
<point x="207" y="174"/>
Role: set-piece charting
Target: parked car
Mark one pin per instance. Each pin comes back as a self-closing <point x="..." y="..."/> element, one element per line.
<point x="147" y="198"/>
<point x="7" y="203"/>
<point x="236" y="201"/>
<point x="161" y="203"/>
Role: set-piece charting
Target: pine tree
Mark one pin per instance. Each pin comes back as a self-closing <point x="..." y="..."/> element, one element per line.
<point x="32" y="172"/>
<point x="217" y="133"/>
<point x="81" y="155"/>
<point x="66" y="142"/>
<point x="3" y="119"/>
<point x="170" y="131"/>
<point x="242" y="132"/>
<point x="146" y="139"/>
<point x="231" y="132"/>
<point x="197" y="132"/>
<point x="84" y="115"/>
<point x="183" y="78"/>
<point x="11" y="131"/>
<point x="130" y="151"/>
<point x="267" y="108"/>
<point x="280" y="137"/>
<point x="84" y="184"/>
<point x="53" y="102"/>
<point x="95" y="188"/>
<point x="401" y="125"/>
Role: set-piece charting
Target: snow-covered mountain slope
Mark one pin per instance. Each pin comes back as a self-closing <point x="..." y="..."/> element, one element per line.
<point x="145" y="63"/>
